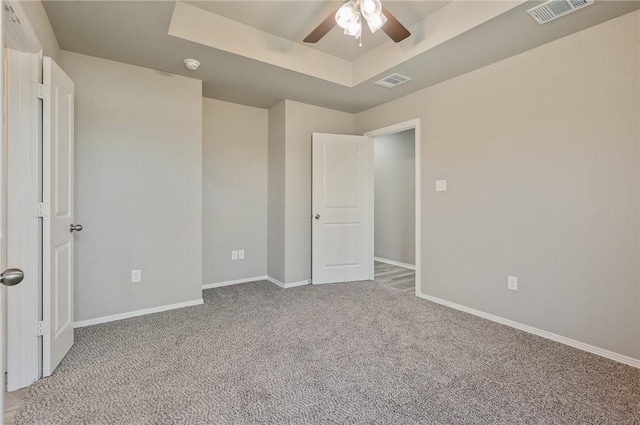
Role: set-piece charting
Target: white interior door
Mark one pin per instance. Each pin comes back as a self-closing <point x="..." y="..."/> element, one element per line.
<point x="58" y="220"/>
<point x="3" y="217"/>
<point x="342" y="208"/>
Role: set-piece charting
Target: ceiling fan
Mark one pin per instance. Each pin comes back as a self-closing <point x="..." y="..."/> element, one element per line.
<point x="350" y="17"/>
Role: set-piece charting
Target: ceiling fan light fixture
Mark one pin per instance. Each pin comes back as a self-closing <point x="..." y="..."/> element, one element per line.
<point x="370" y="8"/>
<point x="354" y="28"/>
<point x="346" y="14"/>
<point x="350" y="15"/>
<point x="376" y="22"/>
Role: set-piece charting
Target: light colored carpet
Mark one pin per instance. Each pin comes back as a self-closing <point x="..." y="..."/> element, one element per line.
<point x="357" y="353"/>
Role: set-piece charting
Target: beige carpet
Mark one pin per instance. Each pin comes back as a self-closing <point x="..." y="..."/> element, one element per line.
<point x="357" y="353"/>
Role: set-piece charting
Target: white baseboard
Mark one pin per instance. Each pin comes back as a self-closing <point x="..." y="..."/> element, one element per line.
<point x="233" y="282"/>
<point x="288" y="285"/>
<point x="395" y="263"/>
<point x="539" y="332"/>
<point x="136" y="313"/>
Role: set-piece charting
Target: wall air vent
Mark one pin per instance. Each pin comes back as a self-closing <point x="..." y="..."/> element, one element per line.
<point x="553" y="9"/>
<point x="392" y="81"/>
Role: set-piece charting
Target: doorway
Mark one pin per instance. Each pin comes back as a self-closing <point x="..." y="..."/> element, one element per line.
<point x="394" y="209"/>
<point x="397" y="205"/>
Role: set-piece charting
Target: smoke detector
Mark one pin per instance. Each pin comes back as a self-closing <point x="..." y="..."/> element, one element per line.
<point x="191" y="64"/>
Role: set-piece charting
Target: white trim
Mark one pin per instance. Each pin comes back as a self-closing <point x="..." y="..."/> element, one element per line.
<point x="535" y="331"/>
<point x="396" y="128"/>
<point x="275" y="281"/>
<point x="137" y="313"/>
<point x="20" y="36"/>
<point x="372" y="211"/>
<point x="298" y="283"/>
<point x="395" y="263"/>
<point x="233" y="282"/>
<point x="257" y="279"/>
<point x="288" y="285"/>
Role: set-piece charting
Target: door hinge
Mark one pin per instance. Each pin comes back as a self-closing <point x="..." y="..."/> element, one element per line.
<point x="42" y="328"/>
<point x="41" y="210"/>
<point x="38" y="90"/>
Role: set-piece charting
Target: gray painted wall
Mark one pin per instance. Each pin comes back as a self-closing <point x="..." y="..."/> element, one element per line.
<point x="541" y="154"/>
<point x="234" y="197"/>
<point x="395" y="196"/>
<point x="138" y="180"/>
<point x="276" y="203"/>
<point x="301" y="121"/>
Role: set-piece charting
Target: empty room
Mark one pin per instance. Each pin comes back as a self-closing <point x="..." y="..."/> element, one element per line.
<point x="320" y="212"/>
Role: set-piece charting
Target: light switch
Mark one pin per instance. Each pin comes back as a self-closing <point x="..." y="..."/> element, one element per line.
<point x="441" y="185"/>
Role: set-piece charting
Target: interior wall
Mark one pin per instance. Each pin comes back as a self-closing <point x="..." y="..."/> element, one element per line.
<point x="395" y="196"/>
<point x="276" y="185"/>
<point x="541" y="155"/>
<point x="301" y="121"/>
<point x="234" y="197"/>
<point x="138" y="185"/>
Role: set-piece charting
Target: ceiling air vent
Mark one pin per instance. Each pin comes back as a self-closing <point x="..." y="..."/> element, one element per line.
<point x="554" y="9"/>
<point x="392" y="81"/>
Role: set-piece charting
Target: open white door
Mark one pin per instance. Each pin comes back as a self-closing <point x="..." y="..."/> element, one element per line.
<point x="3" y="216"/>
<point x="342" y="208"/>
<point x="58" y="220"/>
<point x="8" y="277"/>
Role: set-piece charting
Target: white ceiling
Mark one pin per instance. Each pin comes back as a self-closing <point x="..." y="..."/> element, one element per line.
<point x="265" y="70"/>
<point x="294" y="20"/>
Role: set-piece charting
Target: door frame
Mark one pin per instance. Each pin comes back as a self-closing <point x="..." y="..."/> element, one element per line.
<point x="24" y="241"/>
<point x="397" y="128"/>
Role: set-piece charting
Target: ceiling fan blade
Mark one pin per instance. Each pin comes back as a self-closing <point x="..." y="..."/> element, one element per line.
<point x="322" y="29"/>
<point x="393" y="28"/>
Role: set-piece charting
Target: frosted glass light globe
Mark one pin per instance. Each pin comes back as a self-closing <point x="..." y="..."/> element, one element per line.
<point x="368" y="6"/>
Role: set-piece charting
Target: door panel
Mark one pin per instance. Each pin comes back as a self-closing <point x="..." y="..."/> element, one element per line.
<point x="62" y="289"/>
<point x="342" y="204"/>
<point x="3" y="216"/>
<point x="24" y="240"/>
<point x="345" y="240"/>
<point x="58" y="240"/>
<point x="341" y="171"/>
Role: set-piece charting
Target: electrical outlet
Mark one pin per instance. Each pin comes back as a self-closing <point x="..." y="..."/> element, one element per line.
<point x="136" y="276"/>
<point x="241" y="254"/>
<point x="512" y="283"/>
<point x="234" y="255"/>
<point x="441" y="185"/>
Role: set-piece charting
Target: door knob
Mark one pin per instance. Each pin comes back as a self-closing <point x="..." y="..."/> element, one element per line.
<point x="75" y="228"/>
<point x="317" y="216"/>
<point x="11" y="277"/>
